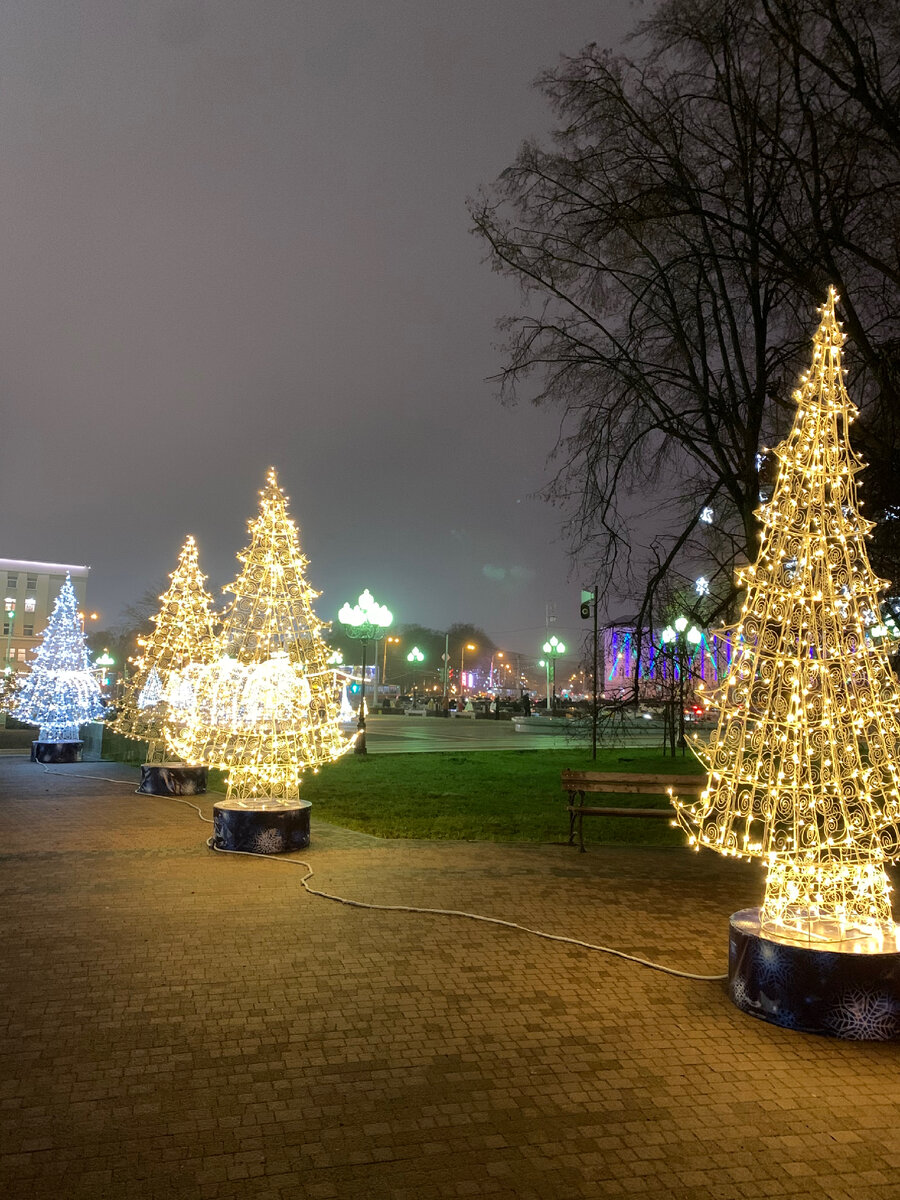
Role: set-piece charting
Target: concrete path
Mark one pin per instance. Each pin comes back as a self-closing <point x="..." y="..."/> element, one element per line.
<point x="177" y="1023"/>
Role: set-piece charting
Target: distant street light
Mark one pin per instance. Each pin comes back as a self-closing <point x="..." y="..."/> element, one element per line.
<point x="387" y="641"/>
<point x="680" y="637"/>
<point x="462" y="662"/>
<point x="103" y="661"/>
<point x="367" y="622"/>
<point x="552" y="649"/>
<point x="10" y="603"/>
<point x="415" y="656"/>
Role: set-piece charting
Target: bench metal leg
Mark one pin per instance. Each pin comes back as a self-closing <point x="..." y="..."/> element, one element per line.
<point x="571" y="796"/>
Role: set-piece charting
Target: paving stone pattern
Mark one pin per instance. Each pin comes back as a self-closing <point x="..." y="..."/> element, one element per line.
<point x="178" y="1023"/>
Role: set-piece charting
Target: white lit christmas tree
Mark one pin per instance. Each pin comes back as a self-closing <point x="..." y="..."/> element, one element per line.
<point x="267" y="711"/>
<point x="183" y="633"/>
<point x="804" y="767"/>
<point x="60" y="693"/>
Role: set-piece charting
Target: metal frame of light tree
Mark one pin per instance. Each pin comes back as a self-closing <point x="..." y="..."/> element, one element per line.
<point x="60" y="692"/>
<point x="183" y="634"/>
<point x="266" y="711"/>
<point x="804" y="766"/>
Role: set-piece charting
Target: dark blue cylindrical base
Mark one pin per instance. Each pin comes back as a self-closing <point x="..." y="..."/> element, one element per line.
<point x="261" y="830"/>
<point x="172" y="779"/>
<point x="56" y="752"/>
<point x="839" y="991"/>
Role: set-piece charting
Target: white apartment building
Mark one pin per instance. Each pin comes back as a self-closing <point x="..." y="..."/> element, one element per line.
<point x="29" y="591"/>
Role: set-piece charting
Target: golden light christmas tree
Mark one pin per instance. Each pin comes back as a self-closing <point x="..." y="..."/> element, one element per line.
<point x="183" y="634"/>
<point x="266" y="711"/>
<point x="804" y="766"/>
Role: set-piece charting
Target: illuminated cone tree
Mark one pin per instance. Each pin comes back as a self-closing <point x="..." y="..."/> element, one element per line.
<point x="804" y="767"/>
<point x="183" y="634"/>
<point x="267" y="711"/>
<point x="60" y="692"/>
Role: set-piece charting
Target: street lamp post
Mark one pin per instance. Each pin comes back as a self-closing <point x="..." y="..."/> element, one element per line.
<point x="387" y="642"/>
<point x="415" y="656"/>
<point x="10" y="603"/>
<point x="367" y="622"/>
<point x="680" y="637"/>
<point x="462" y="662"/>
<point x="552" y="649"/>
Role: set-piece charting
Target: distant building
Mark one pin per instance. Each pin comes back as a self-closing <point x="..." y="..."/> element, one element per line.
<point x="658" y="668"/>
<point x="31" y="589"/>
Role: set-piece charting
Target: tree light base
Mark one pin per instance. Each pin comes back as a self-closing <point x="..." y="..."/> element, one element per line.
<point x="56" y="752"/>
<point x="172" y="779"/>
<point x="846" y="990"/>
<point x="276" y="830"/>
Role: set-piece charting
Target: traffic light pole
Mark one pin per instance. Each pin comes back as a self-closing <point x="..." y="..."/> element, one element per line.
<point x="594" y="713"/>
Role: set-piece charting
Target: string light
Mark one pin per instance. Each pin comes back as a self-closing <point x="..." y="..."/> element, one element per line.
<point x="266" y="709"/>
<point x="60" y="693"/>
<point x="804" y="766"/>
<point x="183" y="633"/>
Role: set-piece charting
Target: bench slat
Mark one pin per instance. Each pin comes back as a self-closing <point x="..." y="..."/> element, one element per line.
<point x="621" y="812"/>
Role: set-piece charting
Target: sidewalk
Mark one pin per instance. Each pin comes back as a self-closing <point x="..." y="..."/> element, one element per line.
<point x="183" y="1024"/>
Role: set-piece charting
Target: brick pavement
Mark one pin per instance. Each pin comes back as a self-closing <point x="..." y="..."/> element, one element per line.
<point x="183" y="1024"/>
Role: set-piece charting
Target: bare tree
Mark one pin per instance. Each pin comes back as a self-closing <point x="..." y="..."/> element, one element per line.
<point x="695" y="203"/>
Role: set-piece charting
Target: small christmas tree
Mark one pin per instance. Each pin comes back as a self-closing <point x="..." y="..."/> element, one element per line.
<point x="183" y="634"/>
<point x="804" y="767"/>
<point x="60" y="693"/>
<point x="267" y="711"/>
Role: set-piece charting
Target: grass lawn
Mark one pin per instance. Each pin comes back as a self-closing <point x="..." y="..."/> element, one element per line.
<point x="500" y="796"/>
<point x="478" y="796"/>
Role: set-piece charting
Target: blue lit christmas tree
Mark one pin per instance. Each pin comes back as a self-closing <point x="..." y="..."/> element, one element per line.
<point x="60" y="693"/>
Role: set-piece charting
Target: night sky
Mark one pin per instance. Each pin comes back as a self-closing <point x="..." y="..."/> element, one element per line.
<point x="234" y="234"/>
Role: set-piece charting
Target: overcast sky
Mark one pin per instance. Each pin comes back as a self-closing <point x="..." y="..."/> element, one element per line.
<point x="234" y="234"/>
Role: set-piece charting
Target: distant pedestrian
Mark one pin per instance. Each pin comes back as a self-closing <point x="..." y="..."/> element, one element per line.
<point x="526" y="704"/>
<point x="497" y="707"/>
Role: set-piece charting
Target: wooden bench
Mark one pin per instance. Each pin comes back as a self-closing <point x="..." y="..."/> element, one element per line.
<point x="579" y="783"/>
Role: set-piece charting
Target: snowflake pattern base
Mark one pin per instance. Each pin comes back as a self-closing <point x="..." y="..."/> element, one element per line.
<point x="836" y="993"/>
<point x="261" y="831"/>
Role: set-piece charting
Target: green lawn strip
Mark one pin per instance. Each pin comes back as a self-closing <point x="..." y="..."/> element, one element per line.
<point x="502" y="796"/>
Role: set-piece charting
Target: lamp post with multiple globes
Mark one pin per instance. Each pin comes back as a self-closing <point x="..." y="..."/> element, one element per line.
<point x="415" y="656"/>
<point x="552" y="649"/>
<point x="367" y="622"/>
<point x="681" y="640"/>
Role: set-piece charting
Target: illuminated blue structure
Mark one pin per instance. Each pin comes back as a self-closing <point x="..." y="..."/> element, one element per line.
<point x="657" y="668"/>
<point x="60" y="693"/>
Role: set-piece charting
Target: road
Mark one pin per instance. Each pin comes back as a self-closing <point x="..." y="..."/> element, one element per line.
<point x="424" y="735"/>
<point x="428" y="735"/>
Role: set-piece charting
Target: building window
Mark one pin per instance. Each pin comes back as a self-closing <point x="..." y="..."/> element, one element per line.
<point x="31" y="582"/>
<point x="21" y="654"/>
<point x="6" y="629"/>
<point x="30" y="603"/>
<point x="28" y="631"/>
<point x="12" y="581"/>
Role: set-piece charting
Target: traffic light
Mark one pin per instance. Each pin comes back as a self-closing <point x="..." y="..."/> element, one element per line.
<point x="354" y="689"/>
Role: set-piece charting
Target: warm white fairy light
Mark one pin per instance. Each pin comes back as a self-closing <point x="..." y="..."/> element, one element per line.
<point x="183" y="633"/>
<point x="266" y="710"/>
<point x="804" y="767"/>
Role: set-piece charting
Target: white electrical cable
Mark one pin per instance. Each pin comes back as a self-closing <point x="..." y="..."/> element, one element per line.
<point x="410" y="908"/>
